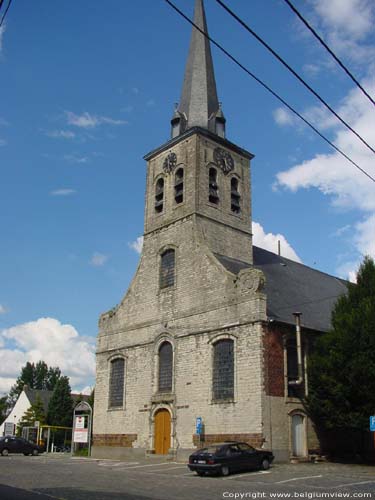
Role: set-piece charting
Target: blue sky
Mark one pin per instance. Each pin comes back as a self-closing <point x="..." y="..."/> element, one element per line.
<point x="87" y="89"/>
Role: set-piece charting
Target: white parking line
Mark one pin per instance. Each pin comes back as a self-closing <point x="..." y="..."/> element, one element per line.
<point x="119" y="464"/>
<point x="353" y="484"/>
<point x="248" y="474"/>
<point x="150" y="465"/>
<point x="169" y="468"/>
<point x="297" y="479"/>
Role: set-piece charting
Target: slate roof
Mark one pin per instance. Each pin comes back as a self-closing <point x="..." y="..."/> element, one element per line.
<point x="293" y="287"/>
<point x="45" y="396"/>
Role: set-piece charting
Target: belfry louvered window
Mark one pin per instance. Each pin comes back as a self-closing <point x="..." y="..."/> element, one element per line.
<point x="165" y="367"/>
<point x="213" y="189"/>
<point x="167" y="268"/>
<point x="223" y="370"/>
<point x="116" y="383"/>
<point x="235" y="196"/>
<point x="179" y="186"/>
<point x="159" y="195"/>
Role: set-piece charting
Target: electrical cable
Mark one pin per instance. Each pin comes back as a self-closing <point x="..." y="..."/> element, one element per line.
<point x="264" y="85"/>
<point x="298" y="14"/>
<point x="5" y="13"/>
<point x="289" y="68"/>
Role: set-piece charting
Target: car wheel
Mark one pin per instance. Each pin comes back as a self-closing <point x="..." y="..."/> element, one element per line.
<point x="224" y="470"/>
<point x="5" y="452"/>
<point x="265" y="465"/>
<point x="200" y="473"/>
<point x="25" y="454"/>
<point x="35" y="453"/>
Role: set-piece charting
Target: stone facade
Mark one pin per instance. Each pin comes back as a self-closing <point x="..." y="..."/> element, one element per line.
<point x="206" y="303"/>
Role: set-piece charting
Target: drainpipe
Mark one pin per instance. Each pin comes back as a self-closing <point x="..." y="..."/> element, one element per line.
<point x="299" y="380"/>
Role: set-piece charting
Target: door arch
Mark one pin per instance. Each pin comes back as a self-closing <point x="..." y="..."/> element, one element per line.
<point x="298" y="435"/>
<point x="162" y="432"/>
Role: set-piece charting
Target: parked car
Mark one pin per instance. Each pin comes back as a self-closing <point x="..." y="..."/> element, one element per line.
<point x="224" y="458"/>
<point x="13" y="444"/>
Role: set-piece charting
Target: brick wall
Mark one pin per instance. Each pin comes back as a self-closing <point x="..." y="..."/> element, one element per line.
<point x="273" y="361"/>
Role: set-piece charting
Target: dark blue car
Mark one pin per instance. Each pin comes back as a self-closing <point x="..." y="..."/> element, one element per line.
<point x="13" y="444"/>
<point x="224" y="458"/>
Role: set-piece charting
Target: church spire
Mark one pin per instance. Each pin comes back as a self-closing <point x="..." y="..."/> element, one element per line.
<point x="199" y="105"/>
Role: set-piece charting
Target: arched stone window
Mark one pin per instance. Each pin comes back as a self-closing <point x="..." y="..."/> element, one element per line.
<point x="223" y="370"/>
<point x="235" y="196"/>
<point x="167" y="268"/>
<point x="165" y="367"/>
<point x="159" y="195"/>
<point x="116" y="382"/>
<point x="213" y="189"/>
<point x="179" y="186"/>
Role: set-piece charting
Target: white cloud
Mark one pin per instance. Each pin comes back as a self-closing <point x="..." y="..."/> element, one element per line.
<point x="352" y="18"/>
<point x="87" y="120"/>
<point x="284" y="117"/>
<point x="64" y="134"/>
<point x="137" y="244"/>
<point x="3" y="309"/>
<point x="269" y="241"/>
<point x="345" y="25"/>
<point x="62" y="192"/>
<point x="74" y="158"/>
<point x="98" y="259"/>
<point x="51" y="341"/>
<point x="335" y="177"/>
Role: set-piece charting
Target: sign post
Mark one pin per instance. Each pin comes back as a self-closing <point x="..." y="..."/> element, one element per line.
<point x="199" y="428"/>
<point x="82" y="424"/>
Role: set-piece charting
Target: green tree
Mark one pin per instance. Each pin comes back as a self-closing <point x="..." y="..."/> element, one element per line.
<point x="60" y="408"/>
<point x="36" y="376"/>
<point x="33" y="414"/>
<point x="342" y="366"/>
<point x="4" y="408"/>
<point x="26" y="378"/>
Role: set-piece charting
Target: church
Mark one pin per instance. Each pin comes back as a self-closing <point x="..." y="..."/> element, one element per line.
<point x="210" y="342"/>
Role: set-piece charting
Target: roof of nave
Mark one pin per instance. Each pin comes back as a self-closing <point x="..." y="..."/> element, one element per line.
<point x="293" y="287"/>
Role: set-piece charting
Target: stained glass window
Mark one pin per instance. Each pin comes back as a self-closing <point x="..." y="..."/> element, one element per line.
<point x="223" y="370"/>
<point x="167" y="267"/>
<point x="165" y="367"/>
<point x="116" y="383"/>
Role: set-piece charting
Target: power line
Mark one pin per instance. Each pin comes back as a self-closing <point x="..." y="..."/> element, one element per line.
<point x="329" y="50"/>
<point x="264" y="85"/>
<point x="6" y="11"/>
<point x="289" y="68"/>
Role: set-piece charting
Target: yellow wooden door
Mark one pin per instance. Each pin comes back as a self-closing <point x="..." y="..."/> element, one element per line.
<point x="162" y="432"/>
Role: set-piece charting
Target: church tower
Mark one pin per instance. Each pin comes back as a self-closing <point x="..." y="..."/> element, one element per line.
<point x="185" y="342"/>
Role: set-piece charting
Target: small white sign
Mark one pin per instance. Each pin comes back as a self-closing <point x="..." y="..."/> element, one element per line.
<point x="81" y="436"/>
<point x="8" y="429"/>
<point x="80" y="422"/>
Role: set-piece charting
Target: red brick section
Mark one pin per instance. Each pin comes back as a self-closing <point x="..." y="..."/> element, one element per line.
<point x="255" y="440"/>
<point x="124" y="440"/>
<point x="273" y="360"/>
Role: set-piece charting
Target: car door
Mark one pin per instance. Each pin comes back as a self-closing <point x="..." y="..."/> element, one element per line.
<point x="250" y="456"/>
<point x="237" y="459"/>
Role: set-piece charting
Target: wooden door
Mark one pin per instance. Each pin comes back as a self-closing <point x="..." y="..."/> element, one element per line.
<point x="162" y="437"/>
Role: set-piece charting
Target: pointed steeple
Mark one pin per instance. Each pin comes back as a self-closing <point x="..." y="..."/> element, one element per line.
<point x="199" y="105"/>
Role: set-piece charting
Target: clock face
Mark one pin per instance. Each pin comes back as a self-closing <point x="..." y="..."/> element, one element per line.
<point x="170" y="162"/>
<point x="224" y="160"/>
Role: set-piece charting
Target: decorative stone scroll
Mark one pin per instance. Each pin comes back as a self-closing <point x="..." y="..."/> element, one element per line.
<point x="250" y="281"/>
<point x="223" y="160"/>
<point x="170" y="163"/>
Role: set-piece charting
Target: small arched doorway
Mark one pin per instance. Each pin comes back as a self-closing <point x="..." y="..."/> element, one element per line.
<point x="162" y="432"/>
<point x="298" y="436"/>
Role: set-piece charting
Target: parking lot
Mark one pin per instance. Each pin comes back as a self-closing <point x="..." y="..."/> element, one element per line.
<point x="69" y="478"/>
